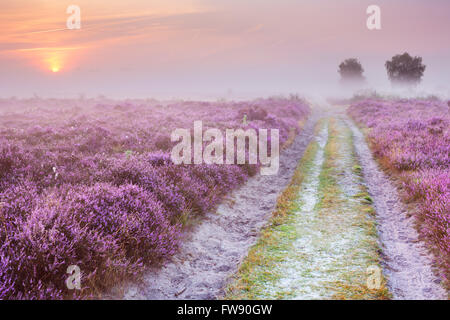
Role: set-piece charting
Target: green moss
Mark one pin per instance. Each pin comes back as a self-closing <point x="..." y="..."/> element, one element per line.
<point x="357" y="169"/>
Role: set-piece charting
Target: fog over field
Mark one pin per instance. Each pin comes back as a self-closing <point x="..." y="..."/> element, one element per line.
<point x="214" y="49"/>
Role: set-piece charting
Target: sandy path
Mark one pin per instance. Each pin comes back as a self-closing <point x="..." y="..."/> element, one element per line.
<point x="332" y="239"/>
<point x="330" y="246"/>
<point x="303" y="268"/>
<point x="407" y="263"/>
<point x="211" y="253"/>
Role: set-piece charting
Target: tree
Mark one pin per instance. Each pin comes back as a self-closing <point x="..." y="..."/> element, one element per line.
<point x="403" y="69"/>
<point x="351" y="71"/>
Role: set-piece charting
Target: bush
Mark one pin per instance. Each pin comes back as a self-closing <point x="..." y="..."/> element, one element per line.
<point x="107" y="231"/>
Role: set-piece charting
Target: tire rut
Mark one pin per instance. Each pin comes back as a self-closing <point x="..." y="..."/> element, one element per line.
<point x="407" y="262"/>
<point x="334" y="241"/>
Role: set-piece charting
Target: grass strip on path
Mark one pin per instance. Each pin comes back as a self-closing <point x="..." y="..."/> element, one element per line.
<point x="322" y="238"/>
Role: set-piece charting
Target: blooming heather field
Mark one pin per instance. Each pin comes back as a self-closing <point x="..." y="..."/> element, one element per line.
<point x="92" y="185"/>
<point x="412" y="139"/>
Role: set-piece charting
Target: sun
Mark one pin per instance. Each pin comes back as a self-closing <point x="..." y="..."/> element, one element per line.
<point x="55" y="69"/>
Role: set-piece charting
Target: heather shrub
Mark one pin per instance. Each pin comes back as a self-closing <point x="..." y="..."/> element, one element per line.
<point x="140" y="171"/>
<point x="163" y="142"/>
<point x="16" y="203"/>
<point x="36" y="255"/>
<point x="135" y="218"/>
<point x="253" y="113"/>
<point x="107" y="231"/>
<point x="412" y="138"/>
<point x="92" y="184"/>
<point x="13" y="161"/>
<point x="158" y="159"/>
<point x="432" y="188"/>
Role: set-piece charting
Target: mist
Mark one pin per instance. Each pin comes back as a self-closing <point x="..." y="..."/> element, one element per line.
<point x="211" y="49"/>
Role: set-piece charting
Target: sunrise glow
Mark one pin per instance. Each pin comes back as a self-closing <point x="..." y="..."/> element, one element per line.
<point x="223" y="47"/>
<point x="54" y="63"/>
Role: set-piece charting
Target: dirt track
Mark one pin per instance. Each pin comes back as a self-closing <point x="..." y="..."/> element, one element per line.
<point x="407" y="263"/>
<point x="212" y="252"/>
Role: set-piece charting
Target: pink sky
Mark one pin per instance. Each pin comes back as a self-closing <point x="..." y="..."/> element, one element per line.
<point x="178" y="48"/>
